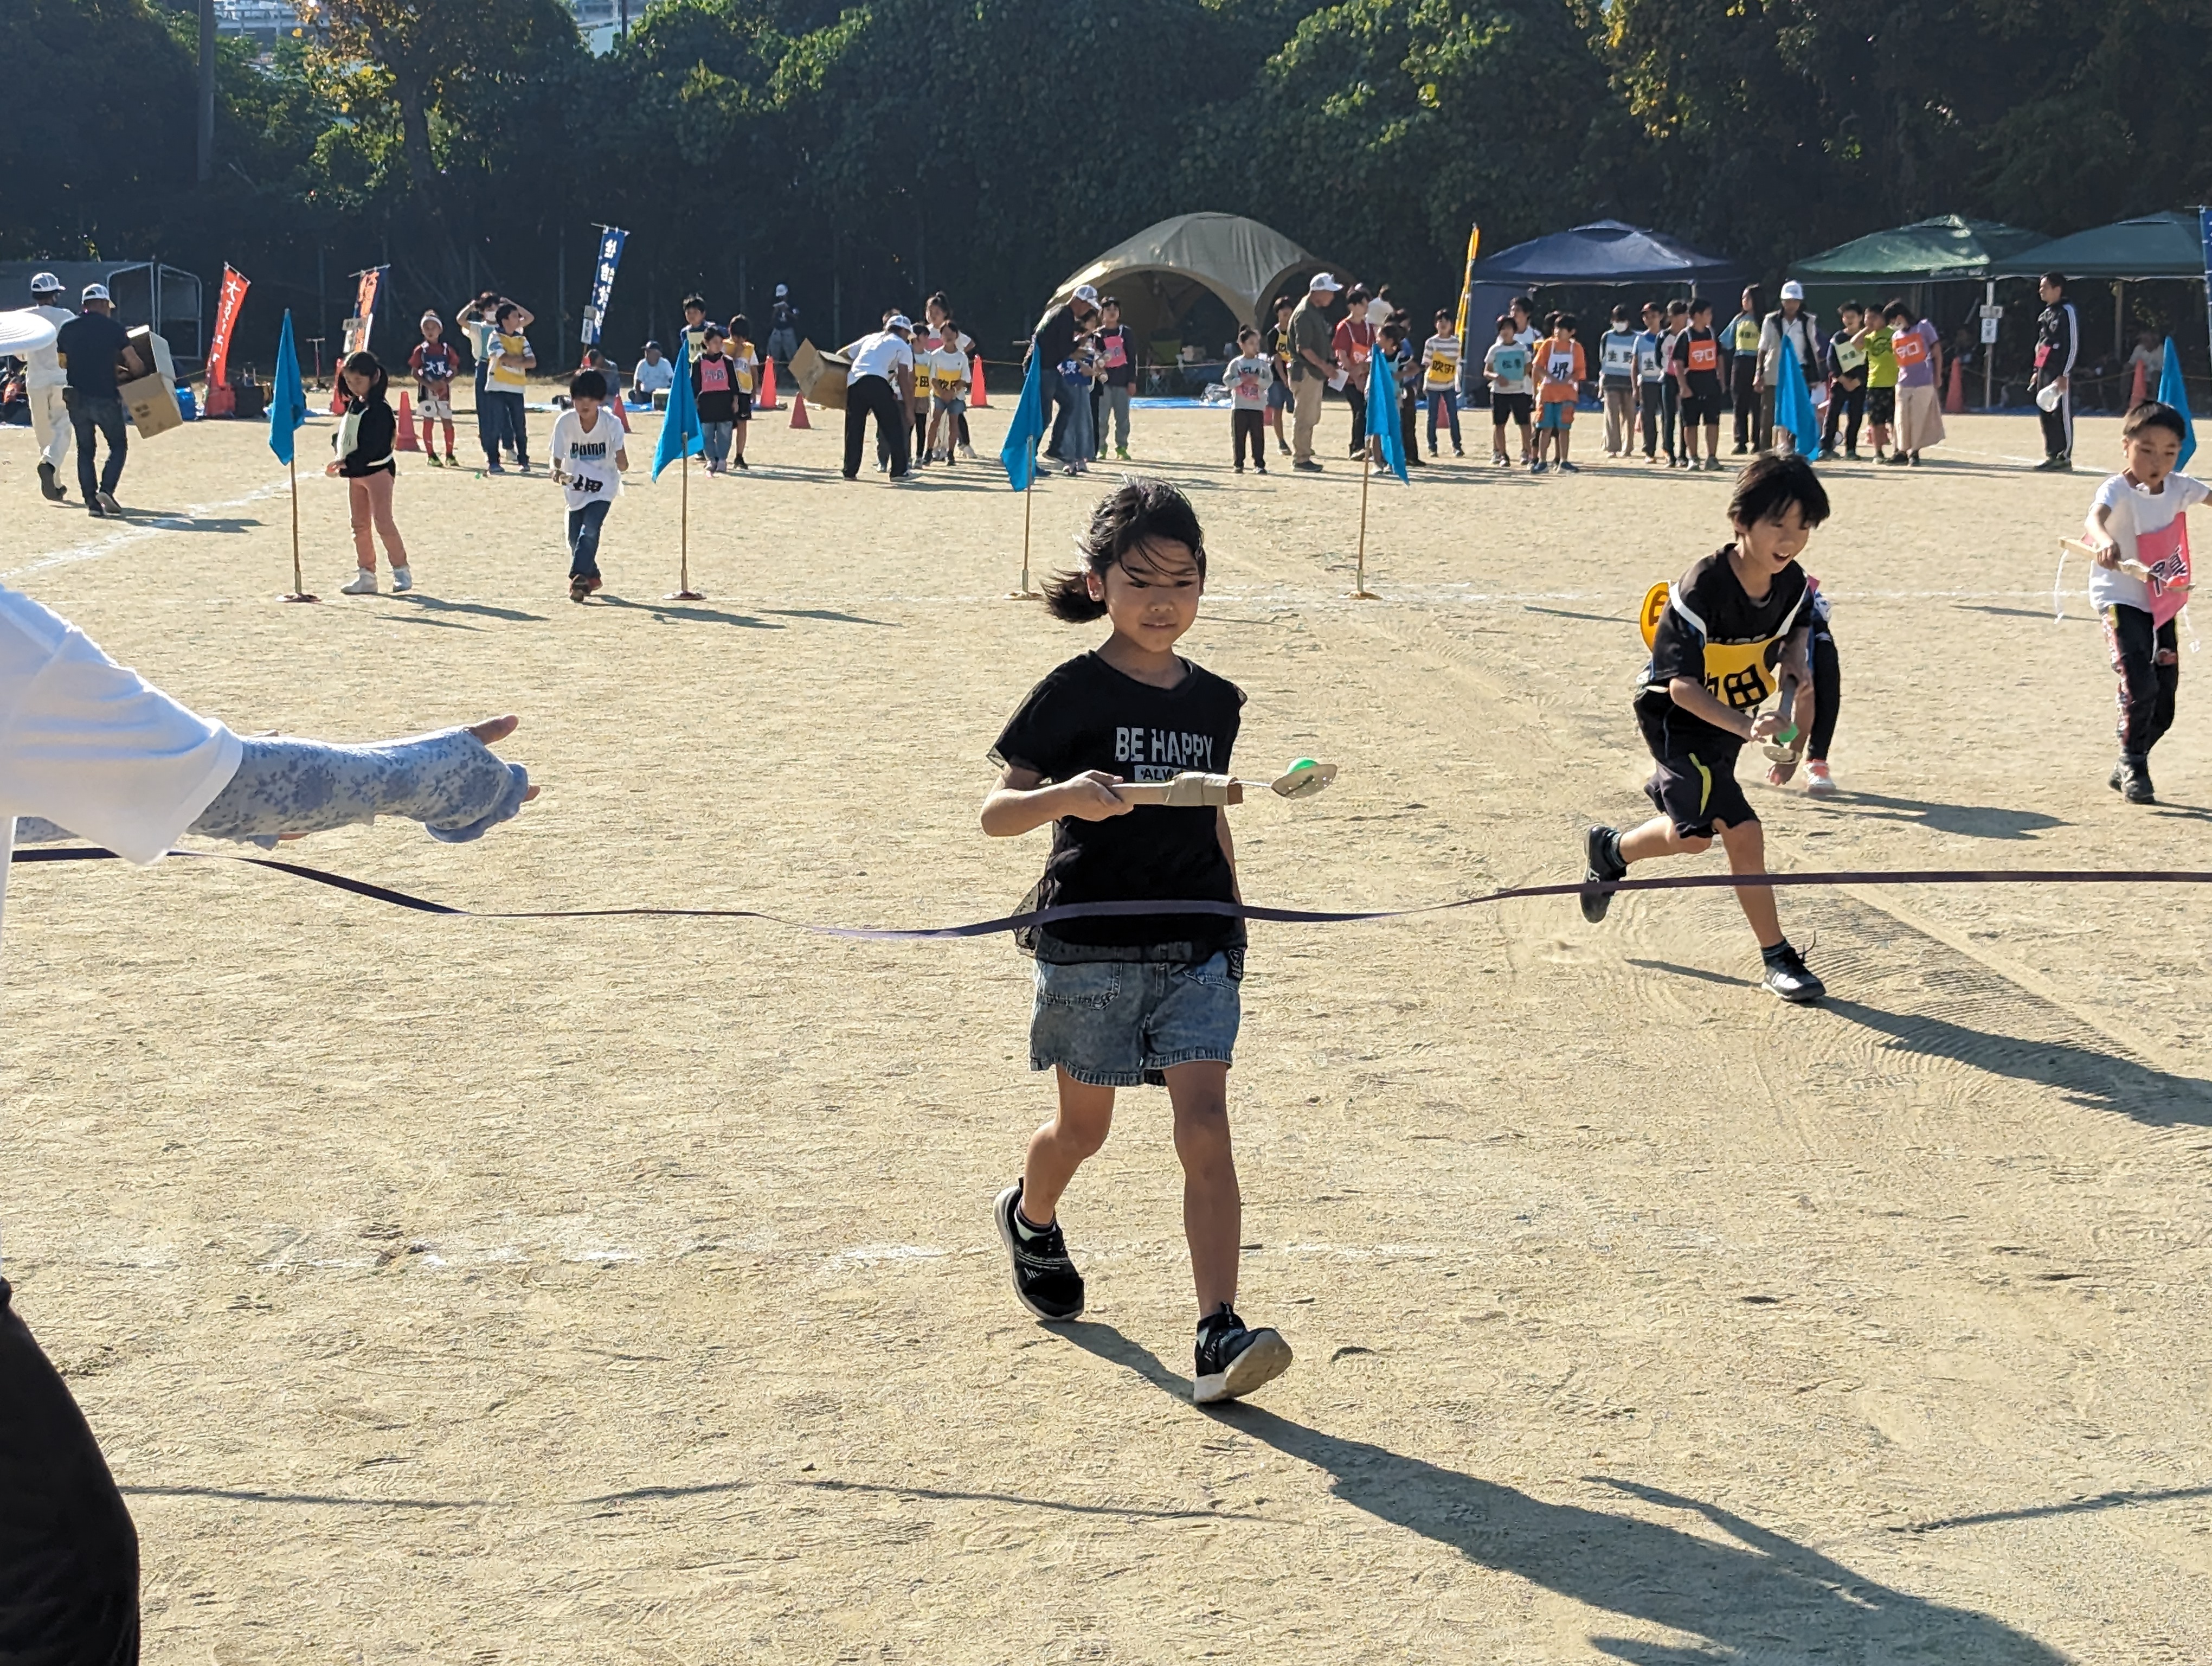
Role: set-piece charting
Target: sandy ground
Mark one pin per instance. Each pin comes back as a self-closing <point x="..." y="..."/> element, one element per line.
<point x="566" y="1291"/>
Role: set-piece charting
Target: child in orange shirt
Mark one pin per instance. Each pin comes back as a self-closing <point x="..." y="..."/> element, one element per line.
<point x="1561" y="370"/>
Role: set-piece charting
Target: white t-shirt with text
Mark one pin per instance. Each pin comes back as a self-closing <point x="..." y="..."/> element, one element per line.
<point x="2138" y="515"/>
<point x="587" y="459"/>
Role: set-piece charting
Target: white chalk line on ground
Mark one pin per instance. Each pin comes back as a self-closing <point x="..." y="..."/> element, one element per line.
<point x="139" y="532"/>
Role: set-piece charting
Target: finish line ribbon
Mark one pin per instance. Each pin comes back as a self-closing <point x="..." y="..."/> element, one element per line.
<point x="2057" y="876"/>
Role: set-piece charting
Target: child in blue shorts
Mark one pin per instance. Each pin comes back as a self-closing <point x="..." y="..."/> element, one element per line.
<point x="1130" y="998"/>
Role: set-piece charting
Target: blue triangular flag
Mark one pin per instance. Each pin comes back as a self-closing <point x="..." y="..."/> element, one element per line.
<point x="1382" y="425"/>
<point x="1794" y="408"/>
<point x="1020" y="452"/>
<point x="287" y="400"/>
<point x="2173" y="391"/>
<point x="680" y="433"/>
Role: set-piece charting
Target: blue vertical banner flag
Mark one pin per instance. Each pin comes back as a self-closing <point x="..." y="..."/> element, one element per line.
<point x="680" y="433"/>
<point x="612" y="239"/>
<point x="1020" y="452"/>
<point x="1794" y="408"/>
<point x="288" y="399"/>
<point x="2173" y="391"/>
<point x="1382" y="425"/>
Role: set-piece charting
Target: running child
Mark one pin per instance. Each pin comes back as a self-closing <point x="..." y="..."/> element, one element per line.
<point x="714" y="391"/>
<point x="435" y="362"/>
<point x="1506" y="367"/>
<point x="1128" y="998"/>
<point x="946" y="366"/>
<point x="1698" y="371"/>
<point x="2138" y="516"/>
<point x="1249" y="377"/>
<point x="1616" y="371"/>
<point x="364" y="442"/>
<point x="1441" y="383"/>
<point x="1559" y="361"/>
<point x="1735" y="630"/>
<point x="588" y="460"/>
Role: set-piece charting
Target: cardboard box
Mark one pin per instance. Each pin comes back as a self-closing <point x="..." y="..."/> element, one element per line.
<point x="821" y="376"/>
<point x="147" y="354"/>
<point x="152" y="403"/>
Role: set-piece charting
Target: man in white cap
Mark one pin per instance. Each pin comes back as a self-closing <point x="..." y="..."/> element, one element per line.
<point x="1313" y="344"/>
<point x="43" y="379"/>
<point x="1791" y="327"/>
<point x="880" y="383"/>
<point x="782" y="327"/>
<point x="1052" y="344"/>
<point x="91" y="346"/>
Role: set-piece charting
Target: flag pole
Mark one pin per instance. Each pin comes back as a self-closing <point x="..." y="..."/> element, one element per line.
<point x="684" y="544"/>
<point x="1360" y="592"/>
<point x="299" y="586"/>
<point x="1025" y="594"/>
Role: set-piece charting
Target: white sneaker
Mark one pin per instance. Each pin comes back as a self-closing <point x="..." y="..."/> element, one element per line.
<point x="1818" y="780"/>
<point x="403" y="578"/>
<point x="363" y="584"/>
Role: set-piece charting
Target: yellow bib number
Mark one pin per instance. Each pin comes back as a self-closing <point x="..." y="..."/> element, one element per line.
<point x="1654" y="610"/>
<point x="1738" y="675"/>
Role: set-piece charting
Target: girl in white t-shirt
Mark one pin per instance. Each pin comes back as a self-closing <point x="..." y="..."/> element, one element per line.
<point x="2139" y="529"/>
<point x="588" y="460"/>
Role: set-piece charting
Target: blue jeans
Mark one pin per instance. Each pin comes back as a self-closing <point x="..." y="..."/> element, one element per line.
<point x="584" y="526"/>
<point x="505" y="423"/>
<point x="714" y="440"/>
<point x="1119" y="1022"/>
<point x="89" y="415"/>
<point x="1076" y="441"/>
<point x="1444" y="400"/>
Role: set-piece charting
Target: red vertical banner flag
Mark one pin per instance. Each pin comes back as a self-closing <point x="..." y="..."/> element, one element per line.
<point x="235" y="286"/>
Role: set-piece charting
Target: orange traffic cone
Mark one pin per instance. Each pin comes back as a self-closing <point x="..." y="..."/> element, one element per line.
<point x="1955" y="401"/>
<point x="799" y="409"/>
<point x="977" y="399"/>
<point x="767" y="400"/>
<point x="405" y="440"/>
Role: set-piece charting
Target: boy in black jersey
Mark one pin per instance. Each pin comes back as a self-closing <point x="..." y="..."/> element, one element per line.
<point x="1735" y="627"/>
<point x="1128" y="998"/>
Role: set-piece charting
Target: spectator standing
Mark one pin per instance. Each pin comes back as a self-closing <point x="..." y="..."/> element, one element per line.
<point x="1442" y="356"/>
<point x="1616" y="370"/>
<point x="1918" y="349"/>
<point x="1847" y="383"/>
<point x="782" y="327"/>
<point x="1741" y="339"/>
<point x="1789" y="327"/>
<point x="2057" y="345"/>
<point x="1248" y="377"/>
<point x="44" y="384"/>
<point x="1312" y="370"/>
<point x="1651" y="382"/>
<point x="513" y="358"/>
<point x="1052" y="344"/>
<point x="1353" y="345"/>
<point x="714" y="391"/>
<point x="937" y="311"/>
<point x="1278" y="389"/>
<point x="90" y="346"/>
<point x="880" y="383"/>
<point x="1117" y="354"/>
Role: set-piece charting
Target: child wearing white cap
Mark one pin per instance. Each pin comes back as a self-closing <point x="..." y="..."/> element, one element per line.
<point x="1789" y="327"/>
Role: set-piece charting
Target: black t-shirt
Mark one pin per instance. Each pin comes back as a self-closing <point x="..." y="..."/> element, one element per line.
<point x="1055" y="336"/>
<point x="1703" y="384"/>
<point x="90" y="342"/>
<point x="1711" y="630"/>
<point x="1086" y="716"/>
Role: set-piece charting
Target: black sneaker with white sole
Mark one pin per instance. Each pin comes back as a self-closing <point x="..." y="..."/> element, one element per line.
<point x="1601" y="864"/>
<point x="1045" y="1279"/>
<point x="1788" y="976"/>
<point x="1233" y="1360"/>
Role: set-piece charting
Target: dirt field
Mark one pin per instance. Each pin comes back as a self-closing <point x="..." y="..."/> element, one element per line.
<point x="573" y="1292"/>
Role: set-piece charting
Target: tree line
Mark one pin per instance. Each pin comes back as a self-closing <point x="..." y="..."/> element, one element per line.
<point x="867" y="155"/>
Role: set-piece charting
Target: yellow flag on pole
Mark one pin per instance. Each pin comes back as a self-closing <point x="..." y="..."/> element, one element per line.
<point x="1467" y="278"/>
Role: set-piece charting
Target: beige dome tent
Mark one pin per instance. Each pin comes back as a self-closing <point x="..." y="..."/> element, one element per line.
<point x="1160" y="272"/>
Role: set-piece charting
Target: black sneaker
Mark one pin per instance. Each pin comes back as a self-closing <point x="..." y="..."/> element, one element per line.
<point x="1788" y="976"/>
<point x="1045" y="1279"/>
<point x="2053" y="465"/>
<point x="48" y="483"/>
<point x="1232" y="1361"/>
<point x="1601" y="863"/>
<point x="2132" y="778"/>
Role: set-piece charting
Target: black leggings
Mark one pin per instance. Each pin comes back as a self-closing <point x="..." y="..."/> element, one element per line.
<point x="1844" y="402"/>
<point x="1749" y="429"/>
<point x="69" y="1556"/>
<point x="1827" y="692"/>
<point x="2149" y="665"/>
<point x="1249" y="428"/>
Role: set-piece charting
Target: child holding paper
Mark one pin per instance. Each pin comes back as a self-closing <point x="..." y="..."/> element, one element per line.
<point x="2137" y="519"/>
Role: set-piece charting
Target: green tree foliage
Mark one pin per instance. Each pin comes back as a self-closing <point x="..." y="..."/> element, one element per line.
<point x="867" y="154"/>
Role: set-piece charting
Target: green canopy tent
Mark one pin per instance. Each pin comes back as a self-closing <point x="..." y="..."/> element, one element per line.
<point x="2149" y="247"/>
<point x="1947" y="249"/>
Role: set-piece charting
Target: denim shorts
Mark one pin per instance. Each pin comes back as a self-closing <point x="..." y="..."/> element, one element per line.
<point x="1120" y="1023"/>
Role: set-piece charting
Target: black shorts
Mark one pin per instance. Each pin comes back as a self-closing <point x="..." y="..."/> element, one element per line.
<point x="1694" y="785"/>
<point x="1510" y="408"/>
<point x="741" y="407"/>
<point x="1881" y="405"/>
<point x="1701" y="408"/>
